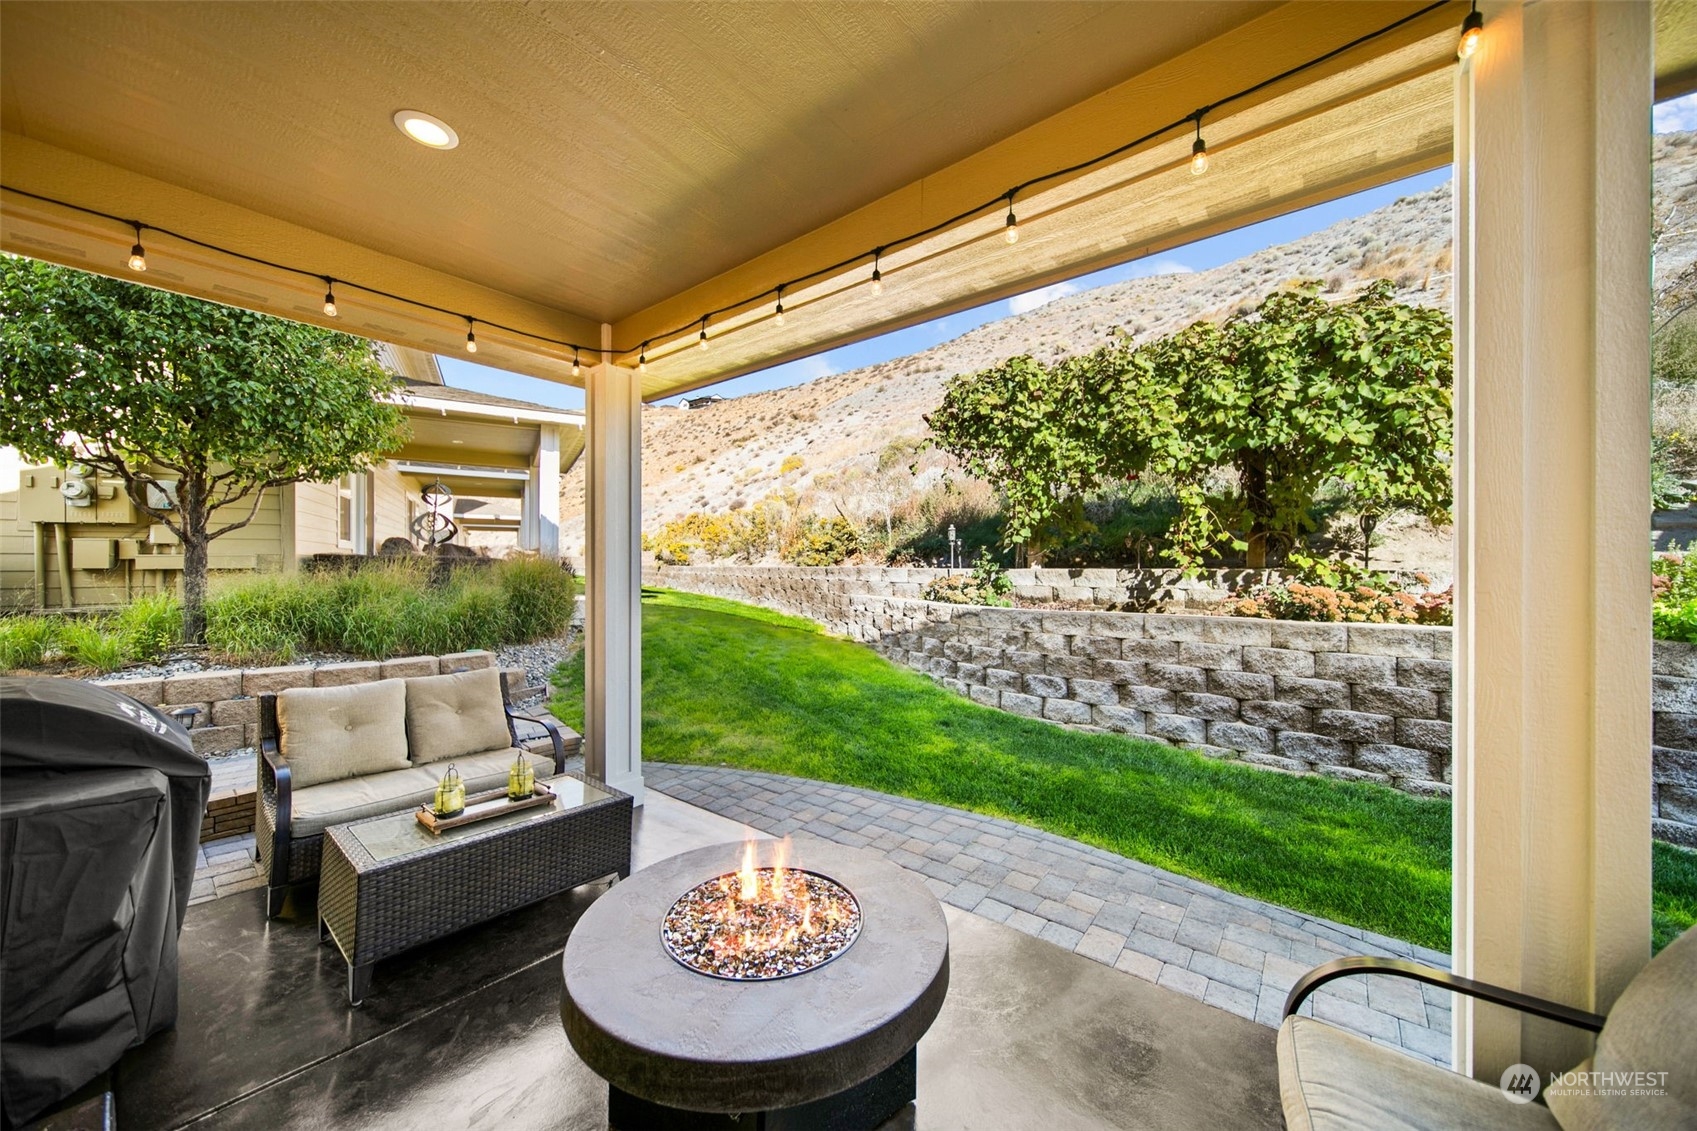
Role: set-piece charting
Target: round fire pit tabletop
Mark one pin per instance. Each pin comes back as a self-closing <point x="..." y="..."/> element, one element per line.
<point x="655" y="1029"/>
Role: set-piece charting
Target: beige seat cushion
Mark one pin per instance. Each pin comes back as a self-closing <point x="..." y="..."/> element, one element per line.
<point x="336" y="803"/>
<point x="327" y="734"/>
<point x="450" y="716"/>
<point x="1653" y="1029"/>
<point x="1330" y="1080"/>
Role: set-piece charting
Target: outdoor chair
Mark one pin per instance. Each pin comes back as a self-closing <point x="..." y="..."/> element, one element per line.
<point x="329" y="755"/>
<point x="1330" y="1079"/>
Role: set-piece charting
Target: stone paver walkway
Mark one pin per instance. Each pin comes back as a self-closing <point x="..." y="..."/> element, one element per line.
<point x="1230" y="951"/>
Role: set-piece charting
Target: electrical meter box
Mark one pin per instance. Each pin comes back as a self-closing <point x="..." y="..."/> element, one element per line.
<point x="51" y="494"/>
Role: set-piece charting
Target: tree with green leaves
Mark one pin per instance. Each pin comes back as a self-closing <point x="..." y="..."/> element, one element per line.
<point x="1298" y="392"/>
<point x="155" y="388"/>
<point x="1034" y="431"/>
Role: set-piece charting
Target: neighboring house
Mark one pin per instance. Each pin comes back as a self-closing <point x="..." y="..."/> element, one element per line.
<point x="501" y="458"/>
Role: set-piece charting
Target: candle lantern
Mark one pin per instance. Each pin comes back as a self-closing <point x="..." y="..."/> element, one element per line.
<point x="521" y="779"/>
<point x="450" y="795"/>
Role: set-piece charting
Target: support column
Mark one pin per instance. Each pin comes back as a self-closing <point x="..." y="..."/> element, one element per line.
<point x="613" y="575"/>
<point x="1552" y="694"/>
<point x="547" y="512"/>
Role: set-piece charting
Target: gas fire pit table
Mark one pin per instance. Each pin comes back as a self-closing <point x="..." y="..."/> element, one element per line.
<point x="818" y="1029"/>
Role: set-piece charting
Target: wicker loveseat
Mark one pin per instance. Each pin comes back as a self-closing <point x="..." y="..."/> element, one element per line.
<point x="329" y="755"/>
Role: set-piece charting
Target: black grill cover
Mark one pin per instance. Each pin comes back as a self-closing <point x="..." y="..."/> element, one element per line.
<point x="101" y="799"/>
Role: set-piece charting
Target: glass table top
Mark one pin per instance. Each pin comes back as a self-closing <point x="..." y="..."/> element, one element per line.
<point x="399" y="834"/>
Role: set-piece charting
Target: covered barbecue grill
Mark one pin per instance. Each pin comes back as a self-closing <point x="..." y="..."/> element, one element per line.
<point x="101" y="799"/>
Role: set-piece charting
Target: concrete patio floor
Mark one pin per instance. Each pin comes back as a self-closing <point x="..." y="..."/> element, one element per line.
<point x="465" y="1032"/>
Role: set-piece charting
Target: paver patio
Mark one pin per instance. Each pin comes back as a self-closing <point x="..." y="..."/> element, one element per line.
<point x="1237" y="953"/>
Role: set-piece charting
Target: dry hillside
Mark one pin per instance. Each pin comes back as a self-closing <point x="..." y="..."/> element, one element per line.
<point x="740" y="450"/>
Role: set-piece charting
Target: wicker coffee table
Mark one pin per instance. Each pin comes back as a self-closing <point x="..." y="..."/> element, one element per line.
<point x="388" y="885"/>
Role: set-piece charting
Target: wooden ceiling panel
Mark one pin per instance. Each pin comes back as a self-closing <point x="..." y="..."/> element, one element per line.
<point x="612" y="154"/>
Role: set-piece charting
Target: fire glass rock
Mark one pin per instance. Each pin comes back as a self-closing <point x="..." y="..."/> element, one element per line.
<point x="761" y="924"/>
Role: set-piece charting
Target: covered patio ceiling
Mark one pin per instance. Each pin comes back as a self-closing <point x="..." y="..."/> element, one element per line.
<point x="626" y="170"/>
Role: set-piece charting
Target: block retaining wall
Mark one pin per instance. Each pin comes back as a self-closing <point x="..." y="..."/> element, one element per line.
<point x="1366" y="702"/>
<point x="229" y="711"/>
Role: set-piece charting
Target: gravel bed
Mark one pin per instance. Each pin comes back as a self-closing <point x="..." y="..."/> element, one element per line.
<point x="540" y="658"/>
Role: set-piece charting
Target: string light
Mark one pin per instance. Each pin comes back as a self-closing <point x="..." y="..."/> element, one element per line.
<point x="877" y="275"/>
<point x="1471" y="29"/>
<point x="701" y="342"/>
<point x="1466" y="47"/>
<point x="329" y="296"/>
<point x="138" y="257"/>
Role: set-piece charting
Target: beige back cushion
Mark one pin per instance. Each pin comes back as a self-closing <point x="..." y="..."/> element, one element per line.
<point x="1653" y="1029"/>
<point x="330" y="733"/>
<point x="449" y="716"/>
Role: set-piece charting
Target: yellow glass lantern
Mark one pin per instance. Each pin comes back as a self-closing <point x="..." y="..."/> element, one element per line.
<point x="450" y="795"/>
<point x="521" y="779"/>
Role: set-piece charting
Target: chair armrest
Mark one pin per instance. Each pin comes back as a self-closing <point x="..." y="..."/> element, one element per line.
<point x="548" y="723"/>
<point x="1402" y="968"/>
<point x="275" y="780"/>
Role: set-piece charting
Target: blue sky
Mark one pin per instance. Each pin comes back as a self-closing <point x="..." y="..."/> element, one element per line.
<point x="1679" y="114"/>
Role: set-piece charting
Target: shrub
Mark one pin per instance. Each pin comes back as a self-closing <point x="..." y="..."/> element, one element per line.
<point x="541" y="596"/>
<point x="823" y="542"/>
<point x="987" y="584"/>
<point x="392" y="608"/>
<point x="1292" y="600"/>
<point x="1673" y="582"/>
<point x="151" y="625"/>
<point x="90" y="644"/>
<point x="26" y="641"/>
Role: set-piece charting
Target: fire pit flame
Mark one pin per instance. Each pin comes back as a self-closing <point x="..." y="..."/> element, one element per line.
<point x="759" y="923"/>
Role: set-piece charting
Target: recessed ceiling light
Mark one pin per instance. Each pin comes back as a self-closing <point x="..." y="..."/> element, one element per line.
<point x="459" y="441"/>
<point x="426" y="129"/>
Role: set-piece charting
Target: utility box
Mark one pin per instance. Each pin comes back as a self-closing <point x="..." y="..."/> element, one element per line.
<point x="39" y="499"/>
<point x="94" y="553"/>
<point x="160" y="535"/>
<point x="112" y="503"/>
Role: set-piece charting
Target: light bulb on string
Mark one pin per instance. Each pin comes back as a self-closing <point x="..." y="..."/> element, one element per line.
<point x="877" y="275"/>
<point x="470" y="337"/>
<point x="1471" y="29"/>
<point x="138" y="257"/>
<point x="329" y="296"/>
<point x="1012" y="235"/>
<point x="778" y="316"/>
<point x="575" y="368"/>
<point x="1198" y="152"/>
<point x="642" y="359"/>
<point x="701" y="342"/>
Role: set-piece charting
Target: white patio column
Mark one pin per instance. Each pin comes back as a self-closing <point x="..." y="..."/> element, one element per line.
<point x="613" y="575"/>
<point x="547" y="512"/>
<point x="1552" y="694"/>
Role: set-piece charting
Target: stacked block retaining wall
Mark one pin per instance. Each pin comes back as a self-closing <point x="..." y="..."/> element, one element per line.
<point x="1367" y="702"/>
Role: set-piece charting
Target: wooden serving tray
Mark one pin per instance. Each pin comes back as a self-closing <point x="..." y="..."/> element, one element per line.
<point x="482" y="806"/>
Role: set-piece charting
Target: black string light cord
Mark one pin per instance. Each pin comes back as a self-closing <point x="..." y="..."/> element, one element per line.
<point x="1194" y="118"/>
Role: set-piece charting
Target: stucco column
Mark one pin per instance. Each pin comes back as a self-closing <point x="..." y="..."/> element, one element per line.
<point x="613" y="575"/>
<point x="1552" y="703"/>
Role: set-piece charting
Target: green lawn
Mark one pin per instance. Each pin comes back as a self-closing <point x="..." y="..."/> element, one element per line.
<point x="732" y="684"/>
